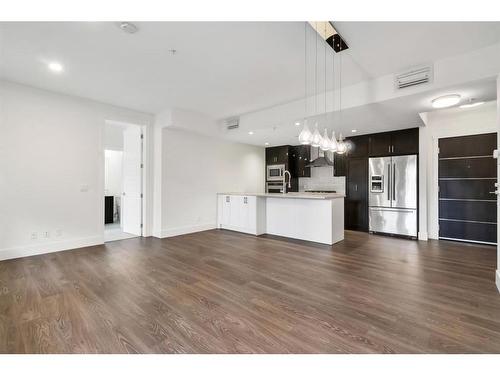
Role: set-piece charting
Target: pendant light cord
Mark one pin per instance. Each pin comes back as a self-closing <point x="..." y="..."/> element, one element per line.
<point x="340" y="85"/>
<point x="305" y="71"/>
<point x="325" y="71"/>
<point x="316" y="73"/>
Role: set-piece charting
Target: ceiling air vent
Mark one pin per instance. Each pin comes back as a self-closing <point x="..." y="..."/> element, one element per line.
<point x="232" y="123"/>
<point x="414" y="77"/>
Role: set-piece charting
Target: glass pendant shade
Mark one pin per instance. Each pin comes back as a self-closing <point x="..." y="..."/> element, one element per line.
<point x="325" y="142"/>
<point x="342" y="147"/>
<point x="316" y="137"/>
<point x="333" y="143"/>
<point x="305" y="135"/>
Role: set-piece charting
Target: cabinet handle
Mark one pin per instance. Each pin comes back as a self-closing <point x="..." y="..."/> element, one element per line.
<point x="389" y="149"/>
<point x="227" y="199"/>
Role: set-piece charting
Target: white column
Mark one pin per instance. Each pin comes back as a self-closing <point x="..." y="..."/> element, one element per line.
<point x="162" y="120"/>
<point x="422" y="184"/>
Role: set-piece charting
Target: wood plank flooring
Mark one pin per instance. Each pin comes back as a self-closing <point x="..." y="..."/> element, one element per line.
<point x="225" y="292"/>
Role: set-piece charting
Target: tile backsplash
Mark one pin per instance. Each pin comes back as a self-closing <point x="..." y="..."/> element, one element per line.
<point x="322" y="179"/>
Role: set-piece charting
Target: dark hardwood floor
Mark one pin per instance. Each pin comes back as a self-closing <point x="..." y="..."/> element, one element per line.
<point x="224" y="292"/>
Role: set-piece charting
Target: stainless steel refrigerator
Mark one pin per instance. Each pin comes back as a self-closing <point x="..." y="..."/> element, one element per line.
<point x="393" y="195"/>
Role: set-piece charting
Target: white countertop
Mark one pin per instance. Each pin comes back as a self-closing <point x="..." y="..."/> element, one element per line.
<point x="291" y="195"/>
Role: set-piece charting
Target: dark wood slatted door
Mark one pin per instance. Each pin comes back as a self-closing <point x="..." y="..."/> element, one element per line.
<point x="467" y="177"/>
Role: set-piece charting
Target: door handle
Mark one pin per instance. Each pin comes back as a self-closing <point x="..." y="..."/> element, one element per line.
<point x="394" y="181"/>
<point x="389" y="182"/>
<point x="494" y="192"/>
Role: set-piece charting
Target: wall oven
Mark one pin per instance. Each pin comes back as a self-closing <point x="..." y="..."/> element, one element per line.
<point x="274" y="187"/>
<point x="275" y="172"/>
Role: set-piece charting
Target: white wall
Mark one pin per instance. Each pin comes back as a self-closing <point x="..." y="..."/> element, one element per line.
<point x="52" y="169"/>
<point x="195" y="168"/>
<point x="113" y="136"/>
<point x="440" y="124"/>
<point x="113" y="169"/>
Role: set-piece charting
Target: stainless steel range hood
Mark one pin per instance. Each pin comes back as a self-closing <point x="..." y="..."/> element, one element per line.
<point x="320" y="158"/>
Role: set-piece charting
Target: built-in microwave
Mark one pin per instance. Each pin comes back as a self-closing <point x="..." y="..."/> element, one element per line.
<point x="275" y="172"/>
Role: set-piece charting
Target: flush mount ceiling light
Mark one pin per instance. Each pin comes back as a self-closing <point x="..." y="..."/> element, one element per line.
<point x="297" y="123"/>
<point x="250" y="133"/>
<point x="353" y="131"/>
<point x="446" y="101"/>
<point x="55" y="67"/>
<point x="472" y="103"/>
<point x="128" y="27"/>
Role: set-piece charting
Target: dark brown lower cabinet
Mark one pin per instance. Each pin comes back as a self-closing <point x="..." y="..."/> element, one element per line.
<point x="356" y="202"/>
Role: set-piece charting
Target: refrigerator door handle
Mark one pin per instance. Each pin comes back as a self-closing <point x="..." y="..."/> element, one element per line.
<point x="389" y="182"/>
<point x="394" y="182"/>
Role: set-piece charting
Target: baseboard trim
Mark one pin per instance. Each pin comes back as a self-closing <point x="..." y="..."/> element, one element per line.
<point x="178" y="231"/>
<point x="498" y="280"/>
<point x="49" y="247"/>
<point x="422" y="236"/>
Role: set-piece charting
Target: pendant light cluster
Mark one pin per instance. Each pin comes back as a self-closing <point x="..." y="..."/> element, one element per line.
<point x="315" y="139"/>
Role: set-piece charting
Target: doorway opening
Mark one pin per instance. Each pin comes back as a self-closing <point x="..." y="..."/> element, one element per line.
<point x="123" y="176"/>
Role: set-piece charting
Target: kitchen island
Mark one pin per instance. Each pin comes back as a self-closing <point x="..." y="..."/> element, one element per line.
<point x="315" y="217"/>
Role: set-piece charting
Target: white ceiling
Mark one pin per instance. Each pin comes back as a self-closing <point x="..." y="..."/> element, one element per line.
<point x="380" y="48"/>
<point x="221" y="68"/>
<point x="224" y="69"/>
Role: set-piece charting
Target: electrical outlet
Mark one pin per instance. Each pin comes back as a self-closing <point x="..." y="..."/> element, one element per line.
<point x="58" y="233"/>
<point x="34" y="236"/>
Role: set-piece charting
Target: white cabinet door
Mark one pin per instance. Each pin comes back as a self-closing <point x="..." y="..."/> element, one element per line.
<point x="235" y="211"/>
<point x="226" y="210"/>
<point x="250" y="215"/>
<point x="238" y="212"/>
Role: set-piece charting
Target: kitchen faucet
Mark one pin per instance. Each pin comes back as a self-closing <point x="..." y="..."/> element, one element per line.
<point x="284" y="181"/>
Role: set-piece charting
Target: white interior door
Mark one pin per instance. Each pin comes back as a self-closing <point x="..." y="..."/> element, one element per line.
<point x="132" y="181"/>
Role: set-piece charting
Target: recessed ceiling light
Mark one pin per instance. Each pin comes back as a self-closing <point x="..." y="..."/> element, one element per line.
<point x="55" y="67"/>
<point x="250" y="132"/>
<point x="471" y="104"/>
<point x="446" y="101"/>
<point x="297" y="123"/>
<point x="353" y="131"/>
<point x="128" y="27"/>
<point x="267" y="143"/>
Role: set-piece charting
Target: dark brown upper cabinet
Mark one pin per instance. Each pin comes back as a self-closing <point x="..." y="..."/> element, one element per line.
<point x="358" y="146"/>
<point x="299" y="159"/>
<point x="339" y="164"/>
<point x="379" y="144"/>
<point x="277" y="155"/>
<point x="405" y="142"/>
<point x="304" y="155"/>
<point x="400" y="142"/>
